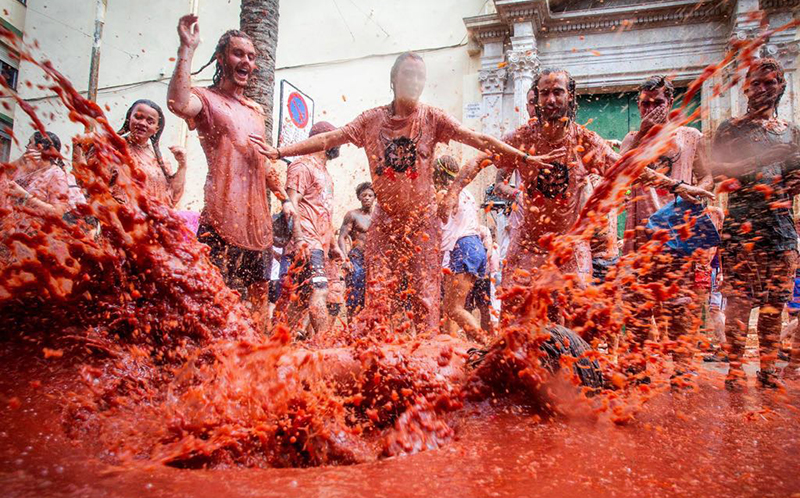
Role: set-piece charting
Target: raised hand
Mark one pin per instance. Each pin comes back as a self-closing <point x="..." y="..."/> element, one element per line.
<point x="179" y="153"/>
<point x="32" y="154"/>
<point x="264" y="148"/>
<point x="654" y="117"/>
<point x="189" y="31"/>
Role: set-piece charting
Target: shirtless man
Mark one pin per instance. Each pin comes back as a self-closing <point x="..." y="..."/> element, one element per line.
<point x="552" y="192"/>
<point x="310" y="188"/>
<point x="235" y="222"/>
<point x="682" y="162"/>
<point x="758" y="153"/>
<point x="355" y="225"/>
<point x="404" y="239"/>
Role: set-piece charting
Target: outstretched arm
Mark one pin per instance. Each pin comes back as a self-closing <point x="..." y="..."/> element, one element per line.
<point x="180" y="99"/>
<point x="317" y="143"/>
<point x="26" y="199"/>
<point x="466" y="175"/>
<point x="488" y="143"/>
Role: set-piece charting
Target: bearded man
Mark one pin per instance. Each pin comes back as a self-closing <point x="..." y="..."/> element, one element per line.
<point x="235" y="222"/>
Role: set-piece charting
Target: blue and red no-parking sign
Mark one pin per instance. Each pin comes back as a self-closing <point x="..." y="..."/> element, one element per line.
<point x="296" y="115"/>
<point x="298" y="109"/>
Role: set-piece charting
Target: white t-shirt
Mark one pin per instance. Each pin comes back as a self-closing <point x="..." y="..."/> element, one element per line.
<point x="275" y="271"/>
<point x="462" y="224"/>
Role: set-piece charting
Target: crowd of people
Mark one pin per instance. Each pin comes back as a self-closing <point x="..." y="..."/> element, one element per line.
<point x="416" y="251"/>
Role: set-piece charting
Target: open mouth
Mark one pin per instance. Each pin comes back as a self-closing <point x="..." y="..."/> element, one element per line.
<point x="242" y="72"/>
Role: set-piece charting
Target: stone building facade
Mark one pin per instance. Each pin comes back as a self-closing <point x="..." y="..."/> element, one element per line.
<point x="610" y="46"/>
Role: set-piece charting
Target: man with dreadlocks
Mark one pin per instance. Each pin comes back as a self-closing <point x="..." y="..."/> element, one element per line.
<point x="758" y="153"/>
<point x="403" y="250"/>
<point x="236" y="221"/>
<point x="551" y="192"/>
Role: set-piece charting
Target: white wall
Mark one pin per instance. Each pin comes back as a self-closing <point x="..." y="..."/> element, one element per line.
<point x="13" y="12"/>
<point x="327" y="55"/>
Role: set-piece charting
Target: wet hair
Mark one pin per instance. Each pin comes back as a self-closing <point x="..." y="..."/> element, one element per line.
<point x="657" y="82"/>
<point x="769" y="64"/>
<point x="571" y="85"/>
<point x="362" y="187"/>
<point x="397" y="62"/>
<point x="126" y="128"/>
<point x="445" y="169"/>
<point x="222" y="46"/>
<point x="332" y="153"/>
<point x="46" y="141"/>
<point x="447" y="165"/>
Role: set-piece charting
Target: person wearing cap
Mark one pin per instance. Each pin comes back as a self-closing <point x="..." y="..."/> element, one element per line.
<point x="310" y="189"/>
<point x="463" y="252"/>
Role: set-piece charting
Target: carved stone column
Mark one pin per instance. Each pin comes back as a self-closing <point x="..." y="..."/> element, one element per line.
<point x="745" y="26"/>
<point x="492" y="77"/>
<point x="523" y="63"/>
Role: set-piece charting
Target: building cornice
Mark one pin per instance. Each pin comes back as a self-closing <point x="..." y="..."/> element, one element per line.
<point x="627" y="17"/>
<point x="779" y="4"/>
<point x="487" y="27"/>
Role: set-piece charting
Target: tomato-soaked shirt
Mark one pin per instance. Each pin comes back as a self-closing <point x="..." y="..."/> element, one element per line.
<point x="50" y="184"/>
<point x="400" y="152"/>
<point x="552" y="198"/>
<point x="309" y="177"/>
<point x="155" y="184"/>
<point x="764" y="197"/>
<point x="236" y="202"/>
<point x="677" y="162"/>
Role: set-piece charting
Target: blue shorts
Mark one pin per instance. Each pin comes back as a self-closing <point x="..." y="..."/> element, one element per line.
<point x="356" y="281"/>
<point x="793" y="306"/>
<point x="306" y="274"/>
<point x="469" y="256"/>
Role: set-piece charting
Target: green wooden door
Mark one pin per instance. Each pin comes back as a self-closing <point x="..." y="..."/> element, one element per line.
<point x="613" y="115"/>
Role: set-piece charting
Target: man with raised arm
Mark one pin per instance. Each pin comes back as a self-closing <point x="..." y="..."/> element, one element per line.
<point x="403" y="253"/>
<point x="235" y="222"/>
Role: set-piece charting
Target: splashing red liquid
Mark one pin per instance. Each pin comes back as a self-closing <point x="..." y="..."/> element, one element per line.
<point x="130" y="347"/>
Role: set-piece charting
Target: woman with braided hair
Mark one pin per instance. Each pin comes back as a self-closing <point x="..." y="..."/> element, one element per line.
<point x="142" y="129"/>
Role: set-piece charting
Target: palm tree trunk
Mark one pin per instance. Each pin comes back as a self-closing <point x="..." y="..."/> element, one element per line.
<point x="259" y="19"/>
